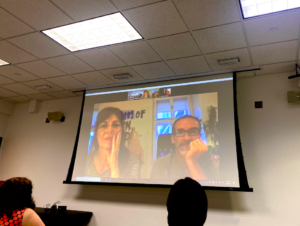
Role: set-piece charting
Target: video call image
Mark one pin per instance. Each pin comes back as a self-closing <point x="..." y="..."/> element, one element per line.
<point x="146" y="94"/>
<point x="153" y="137"/>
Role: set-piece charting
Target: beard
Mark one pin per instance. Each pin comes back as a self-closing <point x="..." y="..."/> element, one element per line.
<point x="184" y="147"/>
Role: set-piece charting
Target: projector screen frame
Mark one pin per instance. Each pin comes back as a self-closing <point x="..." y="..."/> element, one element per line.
<point x="242" y="174"/>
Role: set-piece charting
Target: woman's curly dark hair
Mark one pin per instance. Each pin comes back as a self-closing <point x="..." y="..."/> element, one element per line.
<point x="15" y="194"/>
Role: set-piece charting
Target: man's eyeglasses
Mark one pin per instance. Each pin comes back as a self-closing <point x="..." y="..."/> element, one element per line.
<point x="191" y="132"/>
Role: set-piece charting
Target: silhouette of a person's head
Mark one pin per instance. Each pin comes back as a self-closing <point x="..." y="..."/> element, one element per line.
<point x="187" y="204"/>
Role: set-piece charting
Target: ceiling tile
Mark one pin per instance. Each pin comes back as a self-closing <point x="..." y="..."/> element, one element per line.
<point x="67" y="82"/>
<point x="40" y="14"/>
<point x="208" y="13"/>
<point x="63" y="94"/>
<point x="11" y="101"/>
<point x="100" y="58"/>
<point x="276" y="68"/>
<point x="189" y="65"/>
<point x="220" y="38"/>
<point x="154" y="70"/>
<point x="20" y="88"/>
<point x="13" y="54"/>
<point x="258" y="29"/>
<point x="242" y="54"/>
<point x="94" y="78"/>
<point x="156" y="20"/>
<point x="175" y="46"/>
<point x="39" y="45"/>
<point x="4" y="80"/>
<point x="41" y="82"/>
<point x="136" y="53"/>
<point x="127" y="4"/>
<point x="11" y="26"/>
<point x="40" y="96"/>
<point x="20" y="99"/>
<point x="41" y="69"/>
<point x="17" y="74"/>
<point x="123" y="70"/>
<point x="69" y="64"/>
<point x="85" y="9"/>
<point x="7" y="93"/>
<point x="274" y="53"/>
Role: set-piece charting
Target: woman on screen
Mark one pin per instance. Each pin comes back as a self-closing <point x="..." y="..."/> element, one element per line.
<point x="109" y="156"/>
<point x="146" y="94"/>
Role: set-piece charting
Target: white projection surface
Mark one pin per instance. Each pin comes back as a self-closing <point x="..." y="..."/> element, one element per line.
<point x="157" y="133"/>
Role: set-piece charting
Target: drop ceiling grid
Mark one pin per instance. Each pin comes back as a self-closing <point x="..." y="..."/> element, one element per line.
<point x="26" y="80"/>
<point x="107" y="48"/>
<point x="245" y="33"/>
<point x="123" y="9"/>
<point x="192" y="35"/>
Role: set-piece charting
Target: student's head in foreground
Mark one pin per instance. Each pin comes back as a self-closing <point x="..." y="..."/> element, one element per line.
<point x="187" y="204"/>
<point x="15" y="194"/>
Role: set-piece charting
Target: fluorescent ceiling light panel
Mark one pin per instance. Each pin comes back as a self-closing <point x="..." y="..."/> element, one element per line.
<point x="2" y="62"/>
<point x="252" y="8"/>
<point x="101" y="31"/>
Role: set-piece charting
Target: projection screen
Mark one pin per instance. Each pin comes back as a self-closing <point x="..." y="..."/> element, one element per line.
<point x="156" y="133"/>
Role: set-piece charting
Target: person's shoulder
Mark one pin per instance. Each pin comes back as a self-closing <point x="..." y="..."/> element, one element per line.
<point x="160" y="167"/>
<point x="29" y="211"/>
<point x="163" y="160"/>
<point x="31" y="218"/>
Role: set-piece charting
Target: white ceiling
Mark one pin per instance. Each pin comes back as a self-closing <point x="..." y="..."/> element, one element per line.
<point x="180" y="38"/>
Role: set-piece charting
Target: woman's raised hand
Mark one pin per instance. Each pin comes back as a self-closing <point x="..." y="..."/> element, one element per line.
<point x="134" y="145"/>
<point x="113" y="159"/>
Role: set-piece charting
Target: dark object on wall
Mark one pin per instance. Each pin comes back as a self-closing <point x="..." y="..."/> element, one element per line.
<point x="293" y="97"/>
<point x="258" y="104"/>
<point x="71" y="217"/>
<point x="55" y="116"/>
<point x="297" y="75"/>
<point x="1" y="141"/>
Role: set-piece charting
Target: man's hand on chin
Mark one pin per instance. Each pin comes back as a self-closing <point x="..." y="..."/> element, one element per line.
<point x="197" y="149"/>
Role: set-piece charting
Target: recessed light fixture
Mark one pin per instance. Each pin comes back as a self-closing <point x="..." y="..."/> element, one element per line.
<point x="229" y="61"/>
<point x="42" y="87"/>
<point x="123" y="76"/>
<point x="101" y="31"/>
<point x="2" y="62"/>
<point x="252" y="8"/>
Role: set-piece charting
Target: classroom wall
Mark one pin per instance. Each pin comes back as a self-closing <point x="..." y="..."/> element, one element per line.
<point x="3" y="122"/>
<point x="6" y="109"/>
<point x="271" y="145"/>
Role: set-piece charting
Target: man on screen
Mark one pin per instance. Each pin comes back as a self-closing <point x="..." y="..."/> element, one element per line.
<point x="190" y="158"/>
